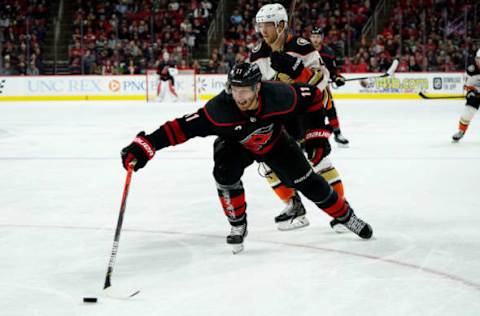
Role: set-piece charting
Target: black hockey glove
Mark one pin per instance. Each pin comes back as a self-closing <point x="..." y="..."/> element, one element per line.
<point x="317" y="145"/>
<point x="287" y="64"/>
<point x="339" y="81"/>
<point x="140" y="150"/>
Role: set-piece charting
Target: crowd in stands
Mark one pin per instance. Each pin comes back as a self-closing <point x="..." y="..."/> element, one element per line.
<point x="425" y="35"/>
<point x="342" y="21"/>
<point x="23" y="27"/>
<point x="130" y="36"/>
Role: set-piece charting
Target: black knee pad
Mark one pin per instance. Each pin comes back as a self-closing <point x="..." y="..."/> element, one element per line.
<point x="226" y="174"/>
<point x="230" y="159"/>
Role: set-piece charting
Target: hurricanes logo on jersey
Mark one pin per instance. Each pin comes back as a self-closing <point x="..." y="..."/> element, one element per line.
<point x="258" y="139"/>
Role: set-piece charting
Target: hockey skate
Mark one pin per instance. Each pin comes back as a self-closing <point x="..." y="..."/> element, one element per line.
<point x="457" y="136"/>
<point x="236" y="237"/>
<point x="292" y="216"/>
<point x="340" y="140"/>
<point x="354" y="224"/>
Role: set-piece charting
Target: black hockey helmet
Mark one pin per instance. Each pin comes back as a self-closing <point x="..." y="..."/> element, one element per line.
<point x="244" y="75"/>
<point x="318" y="31"/>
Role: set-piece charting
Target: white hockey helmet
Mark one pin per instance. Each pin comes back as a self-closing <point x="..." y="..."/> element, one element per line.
<point x="274" y="12"/>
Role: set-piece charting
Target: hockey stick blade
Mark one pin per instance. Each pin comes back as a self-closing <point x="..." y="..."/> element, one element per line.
<point x="426" y="97"/>
<point x="119" y="295"/>
<point x="393" y="68"/>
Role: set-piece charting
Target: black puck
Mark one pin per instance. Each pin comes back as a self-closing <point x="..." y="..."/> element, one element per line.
<point x="90" y="299"/>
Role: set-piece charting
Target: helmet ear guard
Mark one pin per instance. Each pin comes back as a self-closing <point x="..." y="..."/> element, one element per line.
<point x="228" y="87"/>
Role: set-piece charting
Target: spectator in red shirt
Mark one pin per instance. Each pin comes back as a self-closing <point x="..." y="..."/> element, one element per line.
<point x="362" y="66"/>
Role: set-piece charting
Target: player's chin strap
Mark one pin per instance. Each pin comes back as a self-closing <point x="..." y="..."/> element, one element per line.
<point x="279" y="33"/>
<point x="279" y="37"/>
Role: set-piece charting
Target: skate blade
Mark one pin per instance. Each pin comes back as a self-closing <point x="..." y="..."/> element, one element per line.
<point x="454" y="141"/>
<point x="236" y="249"/>
<point x="343" y="145"/>
<point x="340" y="229"/>
<point x="297" y="223"/>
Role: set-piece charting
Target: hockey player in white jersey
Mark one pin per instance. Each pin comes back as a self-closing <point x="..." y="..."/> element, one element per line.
<point x="282" y="56"/>
<point x="287" y="58"/>
<point x="472" y="85"/>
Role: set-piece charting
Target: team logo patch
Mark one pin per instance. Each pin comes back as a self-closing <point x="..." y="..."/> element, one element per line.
<point x="256" y="48"/>
<point x="258" y="139"/>
<point x="302" y="41"/>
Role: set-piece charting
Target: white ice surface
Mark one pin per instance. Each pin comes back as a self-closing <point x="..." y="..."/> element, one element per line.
<point x="60" y="189"/>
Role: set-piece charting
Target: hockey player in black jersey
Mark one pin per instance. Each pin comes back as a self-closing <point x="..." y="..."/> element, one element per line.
<point x="472" y="85"/>
<point x="328" y="57"/>
<point x="248" y="115"/>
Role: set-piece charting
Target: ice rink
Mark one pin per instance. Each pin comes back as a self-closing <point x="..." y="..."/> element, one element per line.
<point x="61" y="183"/>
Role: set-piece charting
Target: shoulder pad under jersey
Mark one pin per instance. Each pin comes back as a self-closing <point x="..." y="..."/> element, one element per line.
<point x="298" y="45"/>
<point x="262" y="50"/>
<point x="222" y="110"/>
<point x="278" y="98"/>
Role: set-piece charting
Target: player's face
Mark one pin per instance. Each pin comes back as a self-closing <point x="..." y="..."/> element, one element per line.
<point x="268" y="31"/>
<point x="316" y="40"/>
<point x="245" y="97"/>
